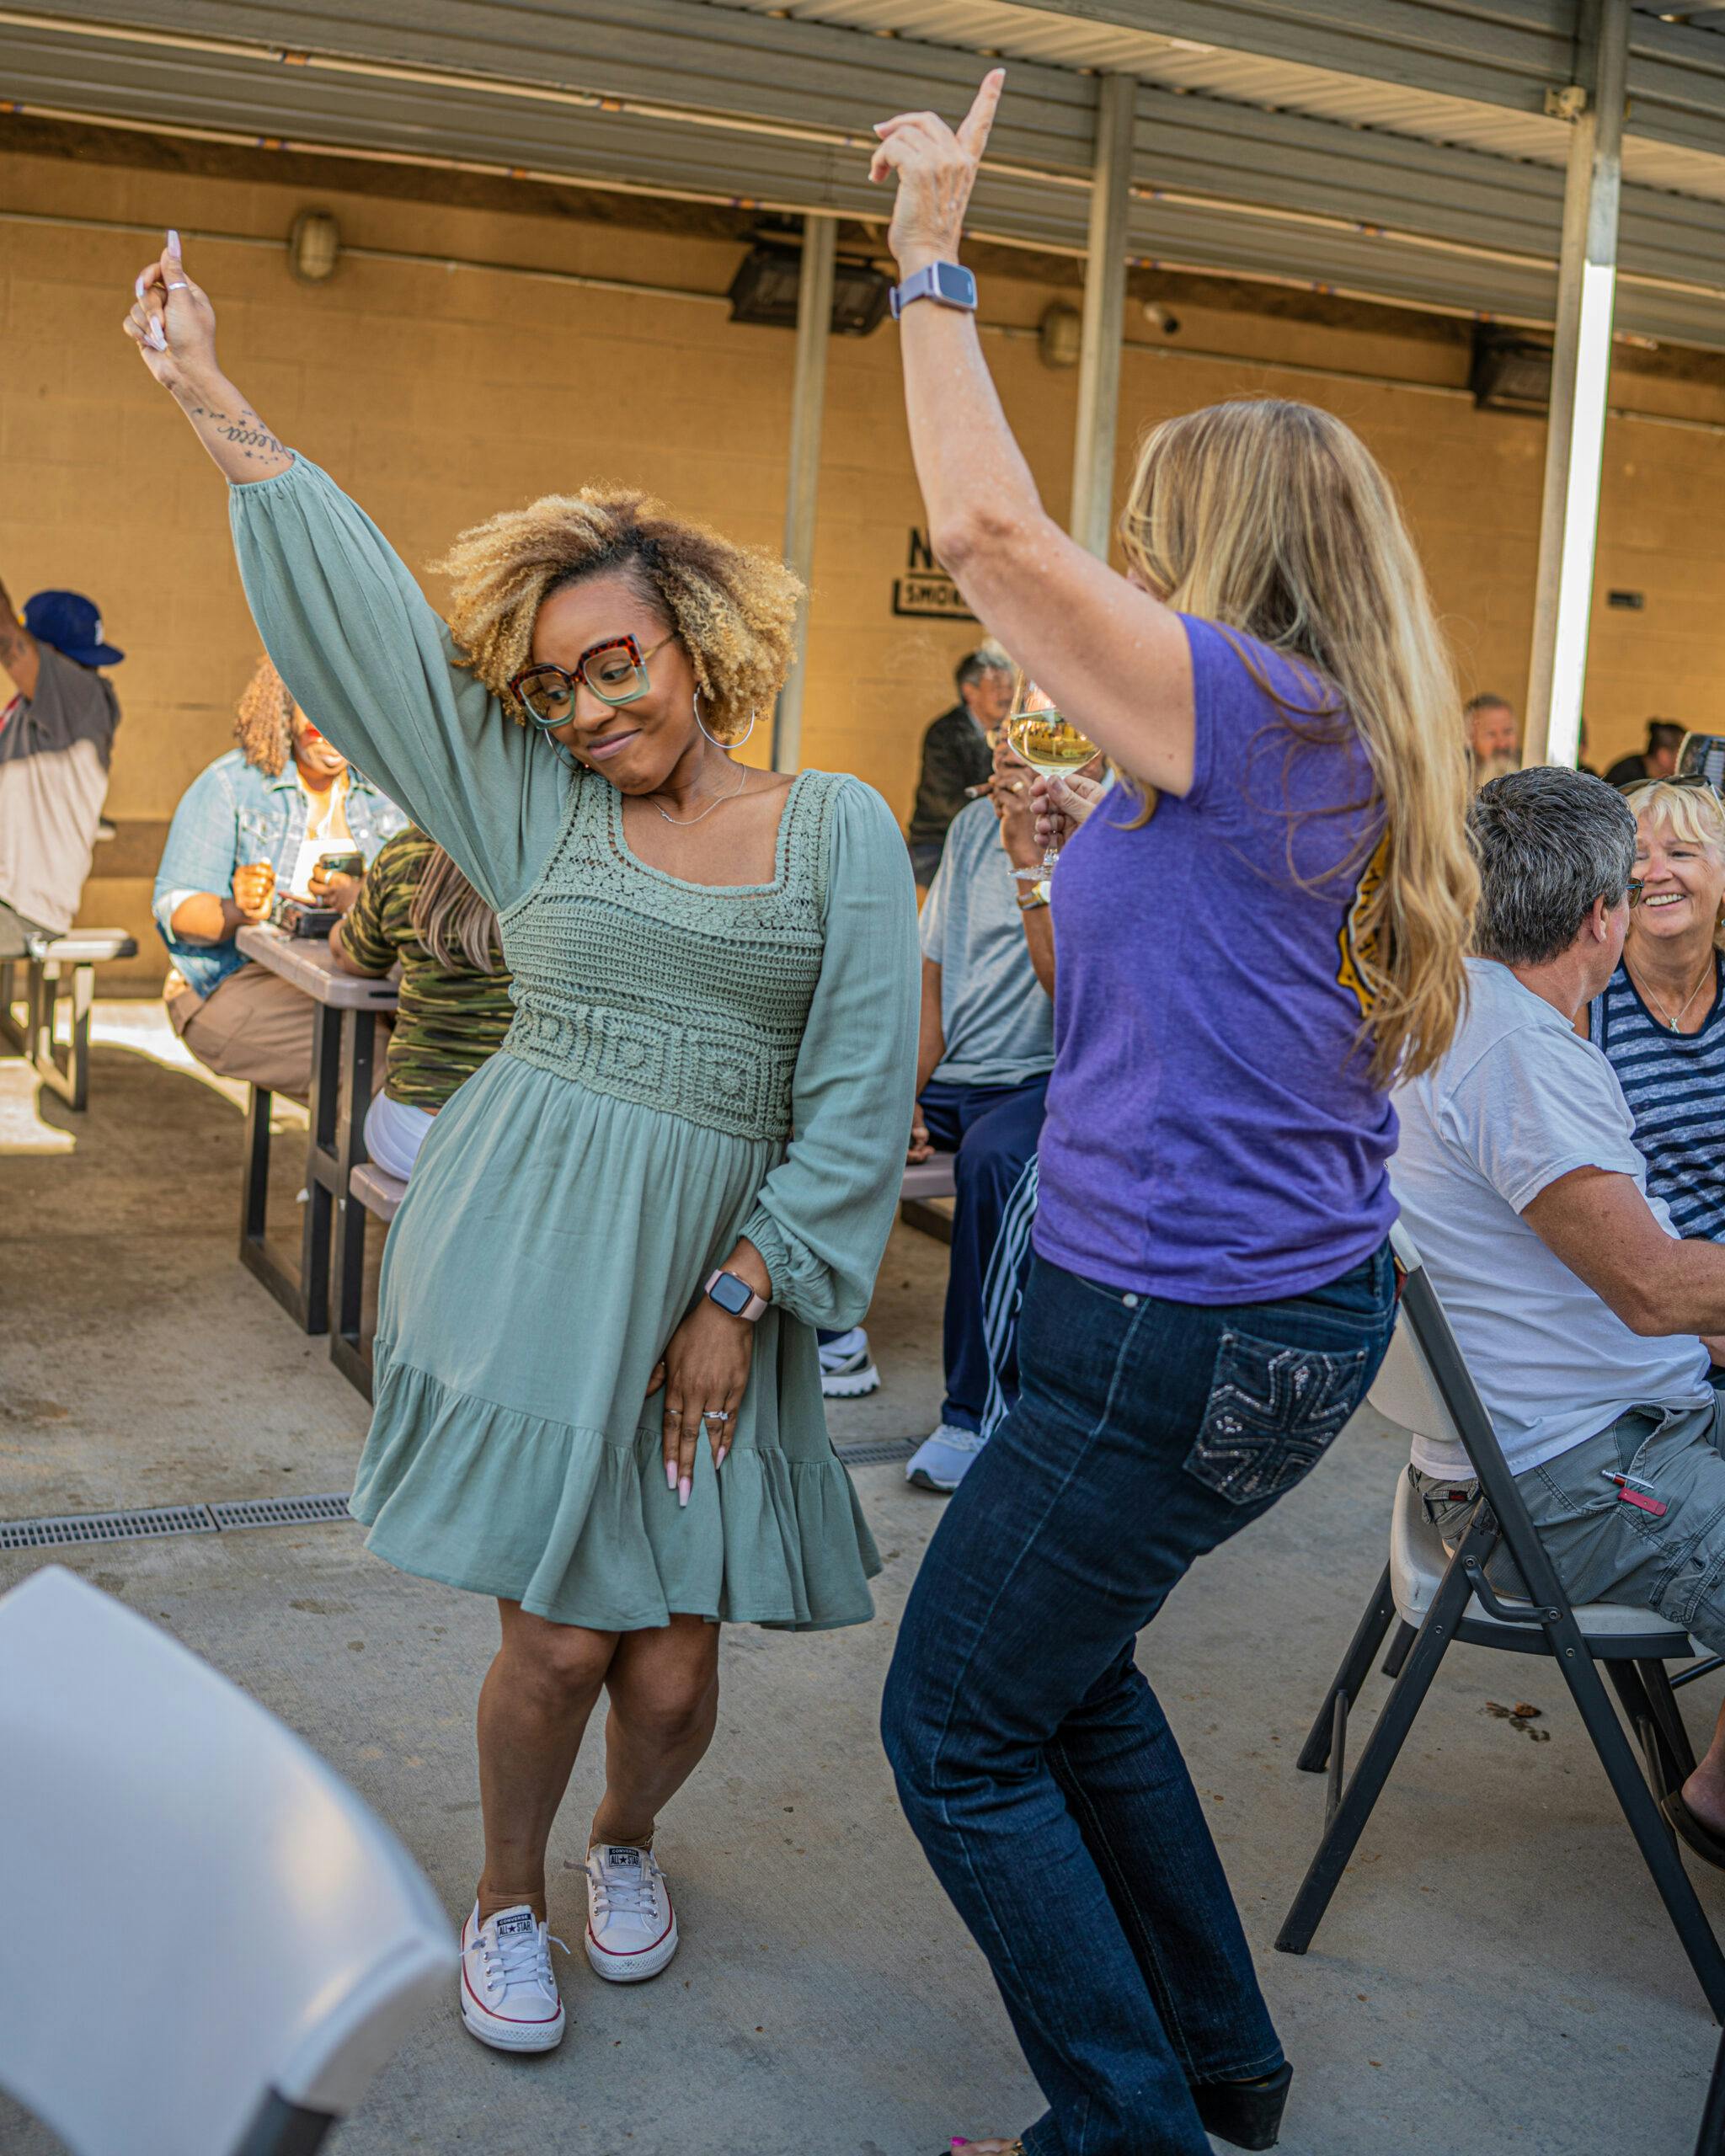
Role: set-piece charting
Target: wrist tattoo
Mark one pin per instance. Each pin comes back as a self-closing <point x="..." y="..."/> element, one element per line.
<point x="247" y="433"/>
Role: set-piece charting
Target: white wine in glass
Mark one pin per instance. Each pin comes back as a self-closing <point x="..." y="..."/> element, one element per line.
<point x="1048" y="741"/>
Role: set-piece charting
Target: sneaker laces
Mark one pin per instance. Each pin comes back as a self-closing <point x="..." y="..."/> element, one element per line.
<point x="628" y="1897"/>
<point x="523" y="1958"/>
<point x="949" y="1433"/>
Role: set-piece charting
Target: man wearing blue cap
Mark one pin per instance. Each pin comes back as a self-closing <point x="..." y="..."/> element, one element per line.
<point x="55" y="738"/>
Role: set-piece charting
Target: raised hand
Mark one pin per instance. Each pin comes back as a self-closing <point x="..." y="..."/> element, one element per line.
<point x="937" y="167"/>
<point x="171" y="321"/>
<point x="173" y="324"/>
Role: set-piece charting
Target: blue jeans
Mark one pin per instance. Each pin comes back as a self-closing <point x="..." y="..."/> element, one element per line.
<point x="1032" y="1757"/>
<point x="993" y="1130"/>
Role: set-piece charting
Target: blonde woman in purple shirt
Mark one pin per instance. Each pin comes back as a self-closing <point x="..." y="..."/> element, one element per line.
<point x="1258" y="929"/>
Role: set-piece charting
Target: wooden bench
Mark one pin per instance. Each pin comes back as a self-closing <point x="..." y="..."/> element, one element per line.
<point x="374" y="1193"/>
<point x="378" y="1192"/>
<point x="332" y="1236"/>
<point x="369" y="1190"/>
<point x="63" y="1066"/>
<point x="924" y="1182"/>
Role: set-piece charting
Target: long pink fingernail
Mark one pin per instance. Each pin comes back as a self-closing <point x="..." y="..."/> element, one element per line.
<point x="671" y="1475"/>
<point x="683" y="1490"/>
<point x="172" y="241"/>
<point x="719" y="1462"/>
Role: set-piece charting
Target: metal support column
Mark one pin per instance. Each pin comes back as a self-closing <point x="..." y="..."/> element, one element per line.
<point x="1581" y="368"/>
<point x="1104" y="315"/>
<point x="808" y="398"/>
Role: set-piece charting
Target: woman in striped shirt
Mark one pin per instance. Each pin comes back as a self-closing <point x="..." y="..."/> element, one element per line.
<point x="1661" y="1020"/>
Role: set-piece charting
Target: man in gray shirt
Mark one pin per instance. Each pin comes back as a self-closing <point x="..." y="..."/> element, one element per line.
<point x="986" y="1048"/>
<point x="1590" y="1326"/>
<point x="56" y="735"/>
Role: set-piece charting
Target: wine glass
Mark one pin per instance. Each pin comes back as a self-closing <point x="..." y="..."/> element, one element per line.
<point x="1046" y="740"/>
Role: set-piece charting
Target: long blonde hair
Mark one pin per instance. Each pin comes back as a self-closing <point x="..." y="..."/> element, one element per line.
<point x="1271" y="517"/>
<point x="451" y="919"/>
<point x="1694" y="813"/>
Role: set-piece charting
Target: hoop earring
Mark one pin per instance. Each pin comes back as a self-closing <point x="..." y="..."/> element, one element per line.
<point x="713" y="738"/>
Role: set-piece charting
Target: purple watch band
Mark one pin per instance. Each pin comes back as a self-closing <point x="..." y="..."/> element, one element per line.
<point x="947" y="282"/>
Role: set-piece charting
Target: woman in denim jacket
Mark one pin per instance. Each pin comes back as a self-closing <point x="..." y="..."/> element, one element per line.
<point x="258" y="821"/>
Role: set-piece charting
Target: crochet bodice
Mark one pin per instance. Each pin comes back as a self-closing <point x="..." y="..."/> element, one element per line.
<point x="680" y="996"/>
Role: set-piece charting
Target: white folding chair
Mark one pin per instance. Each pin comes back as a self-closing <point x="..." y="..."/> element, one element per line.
<point x="1424" y="1385"/>
<point x="210" y="1946"/>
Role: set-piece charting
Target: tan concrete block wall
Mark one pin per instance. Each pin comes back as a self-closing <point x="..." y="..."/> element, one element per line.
<point x="438" y="396"/>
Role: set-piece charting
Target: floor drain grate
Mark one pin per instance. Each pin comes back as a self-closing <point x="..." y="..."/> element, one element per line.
<point x="84" y="1527"/>
<point x="875" y="1453"/>
<point x="280" y="1511"/>
<point x="105" y="1527"/>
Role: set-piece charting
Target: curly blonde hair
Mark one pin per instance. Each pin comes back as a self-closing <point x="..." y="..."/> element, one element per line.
<point x="733" y="609"/>
<point x="263" y="724"/>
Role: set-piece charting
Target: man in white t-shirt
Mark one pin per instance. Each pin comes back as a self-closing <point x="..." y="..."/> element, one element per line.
<point x="56" y="736"/>
<point x="1588" y="1325"/>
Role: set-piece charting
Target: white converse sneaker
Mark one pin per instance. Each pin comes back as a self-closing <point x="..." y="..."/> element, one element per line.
<point x="847" y="1369"/>
<point x="942" y="1460"/>
<point x="508" y="1995"/>
<point x="631" y="1928"/>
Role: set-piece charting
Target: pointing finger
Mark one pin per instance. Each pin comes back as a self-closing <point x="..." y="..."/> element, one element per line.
<point x="974" y="127"/>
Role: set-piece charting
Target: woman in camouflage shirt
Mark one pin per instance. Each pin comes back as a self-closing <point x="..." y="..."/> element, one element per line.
<point x="417" y="907"/>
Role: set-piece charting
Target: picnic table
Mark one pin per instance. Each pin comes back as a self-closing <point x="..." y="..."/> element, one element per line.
<point x="343" y="1049"/>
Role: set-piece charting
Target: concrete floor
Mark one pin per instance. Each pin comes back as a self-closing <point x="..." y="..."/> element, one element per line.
<point x="1495" y="1970"/>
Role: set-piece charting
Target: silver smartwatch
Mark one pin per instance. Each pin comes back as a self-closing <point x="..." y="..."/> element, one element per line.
<point x="944" y="282"/>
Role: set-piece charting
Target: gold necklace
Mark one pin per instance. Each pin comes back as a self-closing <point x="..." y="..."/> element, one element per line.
<point x="1674" y="1025"/>
<point x="683" y="822"/>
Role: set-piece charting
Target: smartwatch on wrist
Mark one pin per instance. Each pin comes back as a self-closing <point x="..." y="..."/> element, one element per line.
<point x="944" y="282"/>
<point x="736" y="1296"/>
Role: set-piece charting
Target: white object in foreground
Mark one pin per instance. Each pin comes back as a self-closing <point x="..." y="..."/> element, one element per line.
<point x="264" y="1942"/>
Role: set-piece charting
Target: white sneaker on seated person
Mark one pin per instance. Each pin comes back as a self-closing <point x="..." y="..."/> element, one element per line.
<point x="631" y="1928"/>
<point x="508" y="1996"/>
<point x="942" y="1460"/>
<point x="847" y="1369"/>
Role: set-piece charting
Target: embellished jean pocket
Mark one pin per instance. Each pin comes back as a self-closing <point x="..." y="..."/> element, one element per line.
<point x="1273" y="1414"/>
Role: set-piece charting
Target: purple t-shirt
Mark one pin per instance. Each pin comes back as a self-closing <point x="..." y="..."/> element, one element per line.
<point x="1213" y="1135"/>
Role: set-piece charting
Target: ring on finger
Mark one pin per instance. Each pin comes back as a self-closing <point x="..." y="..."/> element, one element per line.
<point x="715" y="1415"/>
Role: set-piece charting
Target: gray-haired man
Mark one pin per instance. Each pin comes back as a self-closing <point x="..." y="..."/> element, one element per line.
<point x="956" y="753"/>
<point x="1582" y="1315"/>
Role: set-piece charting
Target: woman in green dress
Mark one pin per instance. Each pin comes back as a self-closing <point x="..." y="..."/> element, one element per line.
<point x="598" y="1393"/>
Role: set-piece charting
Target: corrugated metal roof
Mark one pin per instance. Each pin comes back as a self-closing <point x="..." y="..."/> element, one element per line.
<point x="1470" y="74"/>
<point x="735" y="101"/>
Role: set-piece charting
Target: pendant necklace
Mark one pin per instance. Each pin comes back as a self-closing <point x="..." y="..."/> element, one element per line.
<point x="1673" y="1025"/>
<point x="683" y="822"/>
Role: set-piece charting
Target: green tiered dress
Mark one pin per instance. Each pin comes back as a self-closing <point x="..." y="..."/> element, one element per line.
<point x="686" y="1064"/>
